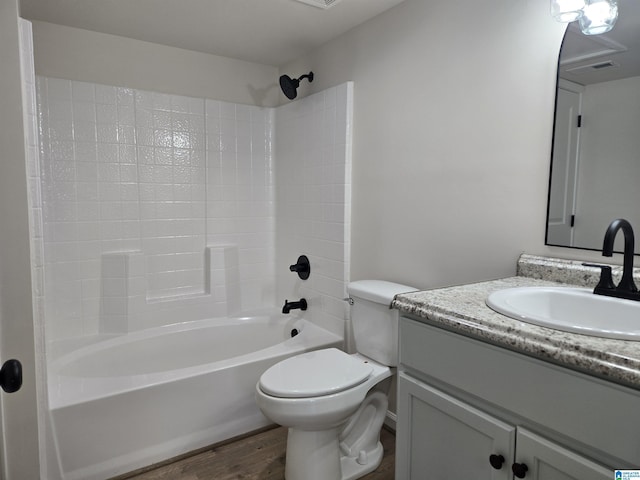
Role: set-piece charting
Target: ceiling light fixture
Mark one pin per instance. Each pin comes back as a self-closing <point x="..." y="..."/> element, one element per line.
<point x="594" y="16"/>
<point x="599" y="16"/>
<point x="567" y="10"/>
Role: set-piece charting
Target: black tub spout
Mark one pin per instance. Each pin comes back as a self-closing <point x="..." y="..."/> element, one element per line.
<point x="288" y="306"/>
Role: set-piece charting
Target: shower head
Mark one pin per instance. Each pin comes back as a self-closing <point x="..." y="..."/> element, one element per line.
<point x="290" y="85"/>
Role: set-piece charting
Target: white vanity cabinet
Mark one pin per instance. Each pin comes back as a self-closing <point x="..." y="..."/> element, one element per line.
<point x="441" y="437"/>
<point x="467" y="409"/>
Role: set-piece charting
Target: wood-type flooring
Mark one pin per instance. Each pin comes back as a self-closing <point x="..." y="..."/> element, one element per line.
<point x="257" y="457"/>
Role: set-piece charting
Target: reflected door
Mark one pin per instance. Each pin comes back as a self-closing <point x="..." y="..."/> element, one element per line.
<point x="564" y="168"/>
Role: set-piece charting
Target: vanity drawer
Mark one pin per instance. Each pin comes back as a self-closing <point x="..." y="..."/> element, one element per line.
<point x="602" y="416"/>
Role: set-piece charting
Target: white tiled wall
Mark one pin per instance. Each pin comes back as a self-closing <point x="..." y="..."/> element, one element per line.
<point x="160" y="208"/>
<point x="313" y="137"/>
<point x="171" y="178"/>
<point x="162" y="176"/>
<point x="240" y="195"/>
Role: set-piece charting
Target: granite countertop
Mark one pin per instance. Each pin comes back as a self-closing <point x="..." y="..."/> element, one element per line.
<point x="462" y="309"/>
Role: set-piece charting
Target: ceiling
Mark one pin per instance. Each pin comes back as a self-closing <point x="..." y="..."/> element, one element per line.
<point x="601" y="58"/>
<point x="271" y="32"/>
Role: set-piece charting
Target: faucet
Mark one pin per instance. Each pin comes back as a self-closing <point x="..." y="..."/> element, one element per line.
<point x="288" y="306"/>
<point x="626" y="288"/>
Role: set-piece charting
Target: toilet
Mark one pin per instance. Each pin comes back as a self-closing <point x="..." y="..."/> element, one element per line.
<point x="334" y="403"/>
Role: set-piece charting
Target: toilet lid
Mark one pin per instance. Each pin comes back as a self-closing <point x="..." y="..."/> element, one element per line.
<point x="312" y="374"/>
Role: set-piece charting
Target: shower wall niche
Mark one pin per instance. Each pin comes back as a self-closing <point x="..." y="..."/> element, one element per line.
<point x="160" y="208"/>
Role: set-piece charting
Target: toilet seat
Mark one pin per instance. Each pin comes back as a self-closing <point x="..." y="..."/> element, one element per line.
<point x="313" y="374"/>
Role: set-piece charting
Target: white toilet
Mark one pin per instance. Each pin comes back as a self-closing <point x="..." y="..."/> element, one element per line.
<point x="333" y="403"/>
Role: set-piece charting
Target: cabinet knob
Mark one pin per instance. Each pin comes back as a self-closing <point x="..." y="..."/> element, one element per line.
<point x="496" y="461"/>
<point x="519" y="470"/>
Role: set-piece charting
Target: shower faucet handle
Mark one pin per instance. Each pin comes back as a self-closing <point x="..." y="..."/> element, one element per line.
<point x="303" y="267"/>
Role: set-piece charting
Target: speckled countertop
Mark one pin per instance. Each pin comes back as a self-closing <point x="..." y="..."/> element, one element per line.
<point x="463" y="309"/>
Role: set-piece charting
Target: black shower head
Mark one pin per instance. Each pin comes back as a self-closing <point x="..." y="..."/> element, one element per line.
<point x="290" y="85"/>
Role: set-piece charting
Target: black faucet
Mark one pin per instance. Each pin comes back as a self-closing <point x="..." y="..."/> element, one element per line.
<point x="626" y="288"/>
<point x="288" y="306"/>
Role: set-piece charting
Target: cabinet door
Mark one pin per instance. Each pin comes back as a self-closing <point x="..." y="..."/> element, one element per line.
<point x="442" y="438"/>
<point x="546" y="460"/>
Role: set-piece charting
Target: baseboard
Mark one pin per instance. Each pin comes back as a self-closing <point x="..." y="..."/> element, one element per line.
<point x="391" y="421"/>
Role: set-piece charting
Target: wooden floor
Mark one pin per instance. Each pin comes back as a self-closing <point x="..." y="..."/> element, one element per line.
<point x="258" y="457"/>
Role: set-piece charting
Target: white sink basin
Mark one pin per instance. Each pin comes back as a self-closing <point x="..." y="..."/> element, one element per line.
<point x="575" y="310"/>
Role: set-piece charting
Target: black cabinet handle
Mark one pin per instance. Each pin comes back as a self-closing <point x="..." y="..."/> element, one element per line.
<point x="496" y="461"/>
<point x="519" y="470"/>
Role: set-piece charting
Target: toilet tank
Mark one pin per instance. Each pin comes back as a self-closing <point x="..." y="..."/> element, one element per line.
<point x="375" y="324"/>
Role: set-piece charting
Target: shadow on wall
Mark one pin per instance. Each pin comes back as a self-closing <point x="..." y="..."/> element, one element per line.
<point x="260" y="95"/>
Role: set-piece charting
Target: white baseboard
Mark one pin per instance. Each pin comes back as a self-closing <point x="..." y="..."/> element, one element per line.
<point x="391" y="420"/>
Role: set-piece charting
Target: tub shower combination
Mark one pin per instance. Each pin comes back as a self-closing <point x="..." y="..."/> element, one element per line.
<point x="156" y="221"/>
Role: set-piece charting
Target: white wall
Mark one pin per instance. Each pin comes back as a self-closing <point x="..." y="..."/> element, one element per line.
<point x="18" y="417"/>
<point x="453" y="119"/>
<point x="75" y="54"/>
<point x="609" y="167"/>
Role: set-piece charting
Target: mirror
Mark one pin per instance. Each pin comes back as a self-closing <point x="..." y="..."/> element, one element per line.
<point x="595" y="159"/>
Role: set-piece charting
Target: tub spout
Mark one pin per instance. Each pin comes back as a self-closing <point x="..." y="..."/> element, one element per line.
<point x="288" y="306"/>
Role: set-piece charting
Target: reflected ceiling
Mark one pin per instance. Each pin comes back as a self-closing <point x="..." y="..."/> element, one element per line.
<point x="601" y="58"/>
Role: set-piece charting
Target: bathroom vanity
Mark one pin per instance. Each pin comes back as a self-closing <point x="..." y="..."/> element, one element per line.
<point x="484" y="396"/>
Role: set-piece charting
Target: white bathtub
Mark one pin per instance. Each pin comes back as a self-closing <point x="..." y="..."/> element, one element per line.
<point x="127" y="402"/>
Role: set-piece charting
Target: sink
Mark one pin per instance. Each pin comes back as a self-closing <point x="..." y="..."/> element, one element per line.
<point x="575" y="310"/>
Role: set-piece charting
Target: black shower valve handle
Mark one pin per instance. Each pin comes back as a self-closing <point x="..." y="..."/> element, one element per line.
<point x="302" y="267"/>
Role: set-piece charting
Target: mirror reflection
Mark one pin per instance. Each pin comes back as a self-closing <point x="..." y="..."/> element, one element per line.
<point x="595" y="164"/>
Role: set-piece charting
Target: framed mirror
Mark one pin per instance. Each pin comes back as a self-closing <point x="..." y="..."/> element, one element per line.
<point x="595" y="158"/>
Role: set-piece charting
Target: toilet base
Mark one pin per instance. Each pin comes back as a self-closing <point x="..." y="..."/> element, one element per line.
<point x="316" y="456"/>
<point x="313" y="455"/>
<point x="351" y="469"/>
<point x="346" y="452"/>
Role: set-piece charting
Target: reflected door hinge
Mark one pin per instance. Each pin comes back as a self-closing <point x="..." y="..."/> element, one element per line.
<point x="579" y="121"/>
<point x="573" y="220"/>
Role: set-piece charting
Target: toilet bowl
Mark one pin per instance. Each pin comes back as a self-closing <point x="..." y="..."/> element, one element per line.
<point x="334" y="414"/>
<point x="334" y="403"/>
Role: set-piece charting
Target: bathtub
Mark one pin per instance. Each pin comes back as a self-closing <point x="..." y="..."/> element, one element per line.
<point x="127" y="402"/>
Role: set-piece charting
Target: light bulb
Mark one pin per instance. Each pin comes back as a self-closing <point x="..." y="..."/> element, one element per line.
<point x="599" y="16"/>
<point x="567" y="10"/>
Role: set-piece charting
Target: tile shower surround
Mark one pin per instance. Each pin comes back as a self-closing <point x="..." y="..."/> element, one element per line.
<point x="158" y="208"/>
<point x="313" y="201"/>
